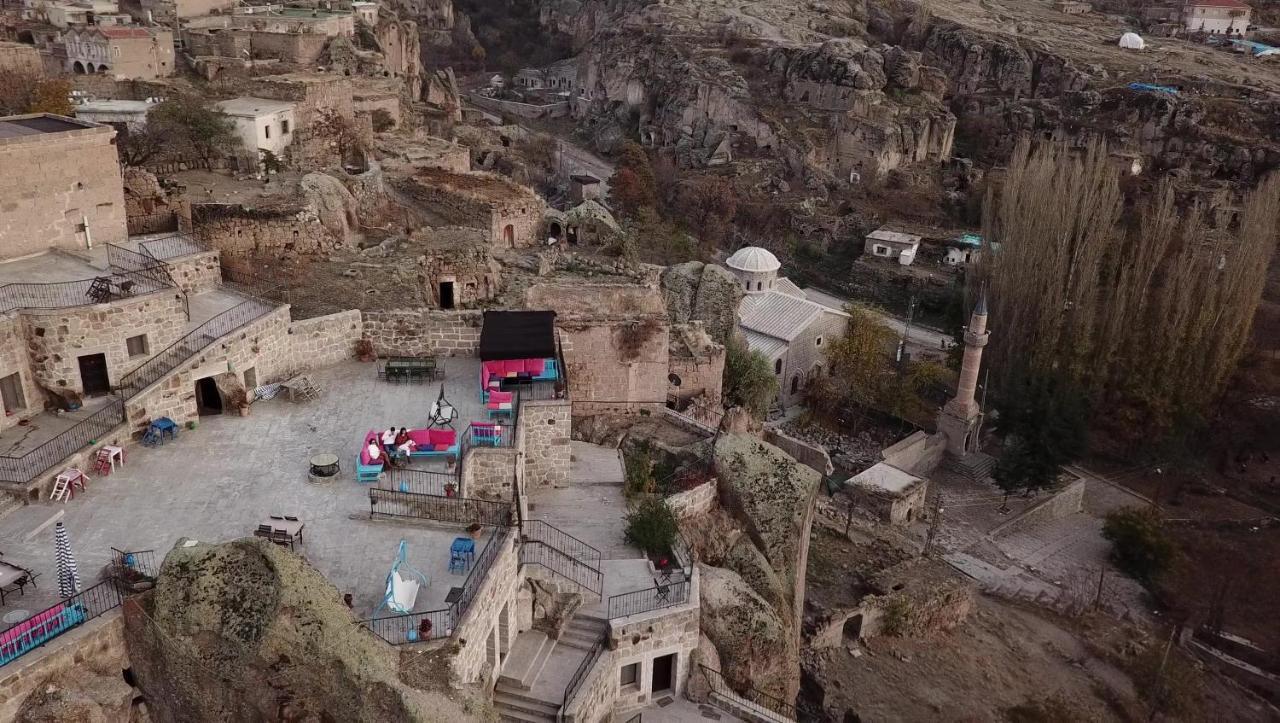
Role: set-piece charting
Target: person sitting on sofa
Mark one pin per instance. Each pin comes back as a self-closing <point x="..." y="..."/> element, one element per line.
<point x="389" y="439"/>
<point x="374" y="452"/>
<point x="404" y="444"/>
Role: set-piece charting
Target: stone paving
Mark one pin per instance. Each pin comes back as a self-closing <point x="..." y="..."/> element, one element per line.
<point x="219" y="481"/>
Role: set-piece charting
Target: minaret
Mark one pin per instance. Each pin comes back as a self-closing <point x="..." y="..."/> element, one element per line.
<point x="961" y="416"/>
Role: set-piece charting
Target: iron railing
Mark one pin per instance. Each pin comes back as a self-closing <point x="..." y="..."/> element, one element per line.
<point x="128" y="563"/>
<point x="67" y="294"/>
<point x="26" y="467"/>
<point x="60" y="617"/>
<point x="580" y="675"/>
<point x="171" y="247"/>
<point x="148" y="273"/>
<point x="755" y="697"/>
<point x="462" y="510"/>
<point x="479" y="571"/>
<point x="423" y="482"/>
<point x="189" y="345"/>
<point x="153" y="223"/>
<point x="657" y="597"/>
<point x="562" y="554"/>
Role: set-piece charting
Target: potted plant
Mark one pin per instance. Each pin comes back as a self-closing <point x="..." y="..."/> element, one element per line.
<point x="239" y="400"/>
<point x="450" y="489"/>
<point x="474" y="529"/>
<point x="364" y="350"/>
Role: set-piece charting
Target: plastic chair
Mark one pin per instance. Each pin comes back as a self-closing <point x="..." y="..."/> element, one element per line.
<point x="457" y="563"/>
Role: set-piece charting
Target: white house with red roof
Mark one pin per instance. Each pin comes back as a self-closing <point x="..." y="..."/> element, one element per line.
<point x="1216" y="17"/>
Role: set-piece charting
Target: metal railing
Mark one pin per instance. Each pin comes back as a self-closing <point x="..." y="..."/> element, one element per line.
<point x="171" y="247"/>
<point x="580" y="675"/>
<point x="124" y="563"/>
<point x="395" y="629"/>
<point x="422" y="482"/>
<point x="147" y="272"/>
<point x="750" y="695"/>
<point x="26" y="467"/>
<point x="189" y="345"/>
<point x="654" y="598"/>
<point x="462" y="510"/>
<point x="163" y="222"/>
<point x="57" y="619"/>
<point x="561" y="554"/>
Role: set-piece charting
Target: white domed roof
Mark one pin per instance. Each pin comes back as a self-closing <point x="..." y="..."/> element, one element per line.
<point x="753" y="259"/>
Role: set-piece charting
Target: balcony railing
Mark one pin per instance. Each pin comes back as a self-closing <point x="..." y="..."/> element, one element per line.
<point x="657" y="597"/>
<point x="561" y="554"/>
<point x="189" y="345"/>
<point x="26" y="467"/>
<point x="57" y="619"/>
<point x="460" y="510"/>
<point x="171" y="247"/>
<point x="749" y="695"/>
<point x="422" y="482"/>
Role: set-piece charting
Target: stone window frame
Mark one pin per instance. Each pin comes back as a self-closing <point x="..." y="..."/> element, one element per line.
<point x="634" y="669"/>
<point x="139" y="340"/>
<point x="20" y="402"/>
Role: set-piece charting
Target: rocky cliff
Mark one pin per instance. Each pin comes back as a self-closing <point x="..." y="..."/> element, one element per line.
<point x="248" y="631"/>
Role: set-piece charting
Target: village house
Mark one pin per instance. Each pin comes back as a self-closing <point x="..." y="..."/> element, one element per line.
<point x="261" y="124"/>
<point x="892" y="245"/>
<point x="963" y="249"/>
<point x="781" y="324"/>
<point x="75" y="199"/>
<point x="889" y="494"/>
<point x="123" y="52"/>
<point x="1216" y="17"/>
<point x="170" y="11"/>
<point x="512" y="214"/>
<point x="130" y="113"/>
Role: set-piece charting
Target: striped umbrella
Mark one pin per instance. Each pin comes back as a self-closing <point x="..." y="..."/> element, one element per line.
<point x="68" y="576"/>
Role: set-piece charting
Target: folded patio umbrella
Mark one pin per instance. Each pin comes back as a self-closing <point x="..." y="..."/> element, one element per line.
<point x="68" y="576"/>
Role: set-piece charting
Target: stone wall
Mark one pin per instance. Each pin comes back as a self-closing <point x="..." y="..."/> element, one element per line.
<point x="14" y="360"/>
<point x="20" y="59"/>
<point x="919" y="453"/>
<point x="56" y="339"/>
<point x="616" y="366"/>
<point x="196" y="273"/>
<point x="237" y="230"/>
<point x="697" y="375"/>
<point x="487" y="472"/>
<point x="97" y="646"/>
<point x="492" y="612"/>
<point x="301" y="48"/>
<point x="809" y="455"/>
<point x="695" y="502"/>
<point x="70" y="176"/>
<point x="543" y="431"/>
<point x="645" y="637"/>
<point x="805" y="356"/>
<point x="322" y="340"/>
<point x="424" y="332"/>
<point x="1065" y="502"/>
<point x="521" y="110"/>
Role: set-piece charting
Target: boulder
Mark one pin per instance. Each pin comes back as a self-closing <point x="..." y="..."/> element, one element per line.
<point x="755" y="646"/>
<point x="695" y="291"/>
<point x="86" y="697"/>
<point x="333" y="204"/>
<point x="248" y="631"/>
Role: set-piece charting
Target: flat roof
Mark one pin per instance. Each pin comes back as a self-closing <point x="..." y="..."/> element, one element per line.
<point x="33" y="125"/>
<point x="884" y="477"/>
<point x="116" y="106"/>
<point x="249" y="107"/>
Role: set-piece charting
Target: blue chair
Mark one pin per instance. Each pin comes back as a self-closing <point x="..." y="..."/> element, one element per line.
<point x="461" y="554"/>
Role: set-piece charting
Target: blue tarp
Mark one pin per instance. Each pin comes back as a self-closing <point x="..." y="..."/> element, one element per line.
<point x="1255" y="49"/>
<point x="1168" y="90"/>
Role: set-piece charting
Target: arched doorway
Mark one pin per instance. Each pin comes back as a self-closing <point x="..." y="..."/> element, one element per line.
<point x="102" y="69"/>
<point x="795" y="383"/>
<point x="78" y="68"/>
<point x="509" y="235"/>
<point x="554" y="230"/>
<point x="208" y="398"/>
<point x="853" y="628"/>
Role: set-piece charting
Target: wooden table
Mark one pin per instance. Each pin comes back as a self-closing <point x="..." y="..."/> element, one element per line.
<point x="411" y="369"/>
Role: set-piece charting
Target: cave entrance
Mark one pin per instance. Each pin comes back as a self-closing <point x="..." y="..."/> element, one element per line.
<point x="446" y="294"/>
<point x="208" y="398"/>
<point x="664" y="669"/>
<point x="853" y="628"/>
<point x="509" y="235"/>
<point x="554" y="231"/>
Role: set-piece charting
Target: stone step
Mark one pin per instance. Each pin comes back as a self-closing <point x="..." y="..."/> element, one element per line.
<point x="528" y="655"/>
<point x="510" y="701"/>
<point x="578" y="641"/>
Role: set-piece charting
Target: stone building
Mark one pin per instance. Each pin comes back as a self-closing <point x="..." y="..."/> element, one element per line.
<point x="696" y="368"/>
<point x="20" y="59"/>
<point x="884" y="243"/>
<point x="262" y="125"/>
<point x="131" y="113"/>
<point x="123" y="52"/>
<point x="781" y="324"/>
<point x="168" y="12"/>
<point x="457" y="269"/>
<point x="1216" y="17"/>
<point x="888" y="494"/>
<point x="511" y="214"/>
<point x="296" y="36"/>
<point x="70" y="197"/>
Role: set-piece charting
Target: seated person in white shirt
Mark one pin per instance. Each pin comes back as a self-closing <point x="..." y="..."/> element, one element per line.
<point x="374" y="452"/>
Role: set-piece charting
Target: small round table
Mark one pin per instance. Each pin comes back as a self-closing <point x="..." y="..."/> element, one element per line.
<point x="13" y="617"/>
<point x="324" y="467"/>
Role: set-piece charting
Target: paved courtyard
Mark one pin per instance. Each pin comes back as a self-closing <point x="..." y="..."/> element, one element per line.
<point x="221" y="480"/>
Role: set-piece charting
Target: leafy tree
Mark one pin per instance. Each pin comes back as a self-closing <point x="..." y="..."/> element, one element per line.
<point x="709" y="203"/>
<point x="633" y="187"/>
<point x="749" y="381"/>
<point x="652" y="526"/>
<point x="190" y="123"/>
<point x="271" y="162"/>
<point x="52" y="96"/>
<point x="22" y="93"/>
<point x="1141" y="546"/>
<point x="1044" y="423"/>
<point x="648" y="237"/>
<point x="136" y="146"/>
<point x="860" y="359"/>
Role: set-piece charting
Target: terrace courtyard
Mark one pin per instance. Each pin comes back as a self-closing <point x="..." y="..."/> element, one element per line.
<point x="224" y="478"/>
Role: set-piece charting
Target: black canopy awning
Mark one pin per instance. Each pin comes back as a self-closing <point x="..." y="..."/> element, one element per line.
<point x="518" y="335"/>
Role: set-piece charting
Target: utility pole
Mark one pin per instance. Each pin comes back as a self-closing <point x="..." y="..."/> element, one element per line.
<point x="906" y="330"/>
<point x="934" y="523"/>
<point x="1159" y="691"/>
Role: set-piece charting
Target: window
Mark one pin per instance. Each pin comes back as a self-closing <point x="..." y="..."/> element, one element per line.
<point x="267" y="130"/>
<point x="284" y="127"/>
<point x="137" y="345"/>
<point x="879" y="250"/>
<point x="251" y="378"/>
<point x="11" y="393"/>
<point x="817" y="342"/>
<point x="777" y="366"/>
<point x="630" y="675"/>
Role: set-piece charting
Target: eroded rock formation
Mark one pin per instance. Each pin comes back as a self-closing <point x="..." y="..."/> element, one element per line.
<point x="695" y="291"/>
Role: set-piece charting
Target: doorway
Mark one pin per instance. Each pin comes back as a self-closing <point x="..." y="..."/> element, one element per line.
<point x="853" y="628"/>
<point x="446" y="294"/>
<point x="208" y="398"/>
<point x="93" y="375"/>
<point x="664" y="669"/>
<point x="509" y="235"/>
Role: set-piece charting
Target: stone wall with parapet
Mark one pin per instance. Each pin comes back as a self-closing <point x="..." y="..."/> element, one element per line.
<point x="96" y="647"/>
<point x="475" y="661"/>
<point x="616" y="365"/>
<point x="14" y="360"/>
<point x="322" y="340"/>
<point x="543" y="431"/>
<point x="919" y="453"/>
<point x="196" y="273"/>
<point x="487" y="472"/>
<point x="57" y="339"/>
<point x="1067" y="501"/>
<point x="424" y="332"/>
<point x="694" y="502"/>
<point x="811" y="456"/>
<point x="642" y="638"/>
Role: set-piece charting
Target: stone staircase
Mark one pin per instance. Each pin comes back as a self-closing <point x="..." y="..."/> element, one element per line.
<point x="9" y="502"/>
<point x="584" y="631"/>
<point x="975" y="466"/>
<point x="511" y="695"/>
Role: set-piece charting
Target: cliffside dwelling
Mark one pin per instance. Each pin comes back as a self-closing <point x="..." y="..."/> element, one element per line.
<point x="781" y="324"/>
<point x="512" y="214"/>
<point x="892" y="245"/>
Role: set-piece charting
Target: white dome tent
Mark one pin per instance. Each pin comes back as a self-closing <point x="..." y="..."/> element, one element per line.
<point x="1132" y="41"/>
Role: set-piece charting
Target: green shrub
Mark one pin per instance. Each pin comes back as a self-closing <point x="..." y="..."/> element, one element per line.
<point x="1140" y="545"/>
<point x="652" y="527"/>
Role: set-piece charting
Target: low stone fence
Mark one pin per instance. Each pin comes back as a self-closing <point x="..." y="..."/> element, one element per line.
<point x="694" y="502"/>
<point x="1067" y="501"/>
<point x="196" y="272"/>
<point x="97" y="646"/>
<point x="809" y="455"/>
<point x="323" y="340"/>
<point x="424" y="332"/>
<point x="918" y="453"/>
<point x="523" y="110"/>
<point x="487" y="473"/>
